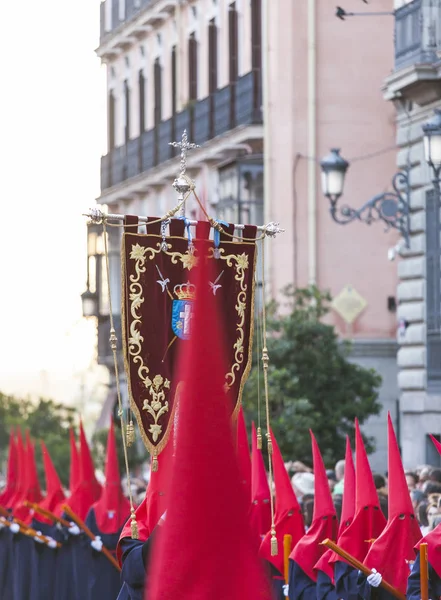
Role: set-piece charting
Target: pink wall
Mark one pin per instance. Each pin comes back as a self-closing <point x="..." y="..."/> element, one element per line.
<point x="353" y="58"/>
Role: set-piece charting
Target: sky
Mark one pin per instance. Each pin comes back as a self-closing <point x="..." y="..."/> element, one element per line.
<point x="52" y="124"/>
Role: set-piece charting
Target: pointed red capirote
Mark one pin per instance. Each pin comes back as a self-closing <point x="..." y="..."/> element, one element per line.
<point x="32" y="491"/>
<point x="88" y="490"/>
<point x="368" y="521"/>
<point x="324" y="520"/>
<point x="260" y="512"/>
<point x="288" y="515"/>
<point x="12" y="474"/>
<point x="327" y="560"/>
<point x="393" y="551"/>
<point x="74" y="475"/>
<point x="207" y="507"/>
<point x="54" y="490"/>
<point x="21" y="486"/>
<point x="113" y="508"/>
<point x="349" y="490"/>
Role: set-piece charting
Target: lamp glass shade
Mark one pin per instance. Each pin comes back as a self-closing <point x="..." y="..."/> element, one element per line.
<point x="432" y="139"/>
<point x="100" y="245"/>
<point x="432" y="149"/>
<point x="332" y="183"/>
<point x="334" y="169"/>
<point x="91" y="243"/>
<point x="90" y="304"/>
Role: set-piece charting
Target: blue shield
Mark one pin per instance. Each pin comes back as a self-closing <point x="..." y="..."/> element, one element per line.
<point x="182" y="315"/>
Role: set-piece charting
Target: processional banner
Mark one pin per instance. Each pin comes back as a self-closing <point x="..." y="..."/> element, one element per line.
<point x="157" y="309"/>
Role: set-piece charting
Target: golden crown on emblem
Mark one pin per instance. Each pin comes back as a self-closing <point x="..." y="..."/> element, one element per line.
<point x="185" y="291"/>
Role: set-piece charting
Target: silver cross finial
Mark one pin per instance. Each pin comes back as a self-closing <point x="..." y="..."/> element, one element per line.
<point x="185" y="146"/>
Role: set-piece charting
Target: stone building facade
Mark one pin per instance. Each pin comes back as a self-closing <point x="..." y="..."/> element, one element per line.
<point x="414" y="88"/>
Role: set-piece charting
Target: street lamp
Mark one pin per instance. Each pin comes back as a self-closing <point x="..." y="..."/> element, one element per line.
<point x="89" y="301"/>
<point x="91" y="297"/>
<point x="390" y="207"/>
<point x="432" y="144"/>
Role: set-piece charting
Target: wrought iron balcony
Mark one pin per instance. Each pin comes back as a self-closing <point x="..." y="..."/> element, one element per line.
<point x="417" y="33"/>
<point x="229" y="107"/>
<point x="131" y="8"/>
<point x="127" y="12"/>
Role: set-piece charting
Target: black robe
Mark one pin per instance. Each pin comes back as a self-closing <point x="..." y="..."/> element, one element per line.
<point x="135" y="556"/>
<point x="413" y="583"/>
<point x="301" y="586"/>
<point x="6" y="571"/>
<point x="24" y="566"/>
<point x="47" y="560"/>
<point x="105" y="579"/>
<point x="325" y="587"/>
<point x="71" y="577"/>
<point x="365" y="591"/>
<point x="346" y="581"/>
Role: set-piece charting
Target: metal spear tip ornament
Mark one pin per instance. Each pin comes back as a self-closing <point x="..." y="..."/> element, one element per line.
<point x="183" y="185"/>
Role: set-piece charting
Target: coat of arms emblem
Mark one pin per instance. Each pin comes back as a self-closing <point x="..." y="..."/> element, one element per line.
<point x="182" y="310"/>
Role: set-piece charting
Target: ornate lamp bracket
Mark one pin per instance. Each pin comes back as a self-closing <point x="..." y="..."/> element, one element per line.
<point x="392" y="208"/>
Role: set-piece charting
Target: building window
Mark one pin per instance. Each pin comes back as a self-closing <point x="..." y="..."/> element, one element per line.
<point x="157" y="78"/>
<point x="192" y="67"/>
<point x="122" y="10"/>
<point x="256" y="35"/>
<point x="256" y="54"/>
<point x="111" y="121"/>
<point x="141" y="85"/>
<point x="233" y="43"/>
<point x="433" y="295"/>
<point x="240" y="200"/>
<point x="127" y="111"/>
<point x="212" y="57"/>
<point x="241" y="192"/>
<point x="115" y="14"/>
<point x="174" y="82"/>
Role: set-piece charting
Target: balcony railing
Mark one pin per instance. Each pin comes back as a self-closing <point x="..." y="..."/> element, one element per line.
<point x="130" y="9"/>
<point x="417" y="33"/>
<point x="231" y="106"/>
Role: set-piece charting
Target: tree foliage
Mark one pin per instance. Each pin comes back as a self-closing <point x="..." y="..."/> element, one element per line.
<point x="46" y="421"/>
<point x="312" y="383"/>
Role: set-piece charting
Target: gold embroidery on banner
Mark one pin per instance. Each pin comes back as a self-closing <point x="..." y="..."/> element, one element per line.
<point x="241" y="265"/>
<point x="157" y="405"/>
<point x="134" y="341"/>
<point x="188" y="259"/>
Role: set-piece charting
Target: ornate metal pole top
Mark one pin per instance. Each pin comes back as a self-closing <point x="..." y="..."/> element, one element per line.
<point x="182" y="184"/>
<point x="185" y="146"/>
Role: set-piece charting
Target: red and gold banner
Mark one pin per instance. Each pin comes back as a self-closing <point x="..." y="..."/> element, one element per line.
<point x="157" y="307"/>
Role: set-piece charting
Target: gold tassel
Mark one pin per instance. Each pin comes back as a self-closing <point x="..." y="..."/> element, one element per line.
<point x="274" y="545"/>
<point x="259" y="438"/>
<point x="134" y="525"/>
<point x="270" y="443"/>
<point x="130" y="432"/>
<point x="155" y="464"/>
